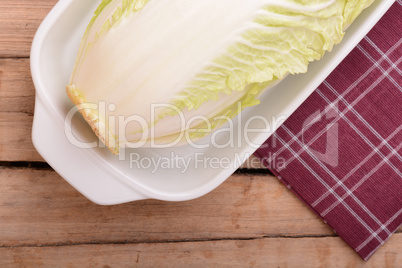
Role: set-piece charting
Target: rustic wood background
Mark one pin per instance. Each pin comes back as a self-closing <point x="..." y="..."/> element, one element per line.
<point x="251" y="220"/>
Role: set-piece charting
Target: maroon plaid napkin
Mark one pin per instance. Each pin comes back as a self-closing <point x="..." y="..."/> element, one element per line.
<point x="340" y="152"/>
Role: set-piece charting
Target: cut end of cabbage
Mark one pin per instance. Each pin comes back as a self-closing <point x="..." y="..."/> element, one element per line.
<point x="205" y="58"/>
<point x="91" y="115"/>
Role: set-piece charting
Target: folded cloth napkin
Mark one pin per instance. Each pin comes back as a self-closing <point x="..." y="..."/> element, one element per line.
<point x="341" y="151"/>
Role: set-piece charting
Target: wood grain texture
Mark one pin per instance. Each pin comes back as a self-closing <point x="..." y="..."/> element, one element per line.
<point x="15" y="138"/>
<point x="39" y="207"/>
<point x="248" y="221"/>
<point x="267" y="252"/>
<point x="19" y="21"/>
<point x="17" y="101"/>
<point x="17" y="92"/>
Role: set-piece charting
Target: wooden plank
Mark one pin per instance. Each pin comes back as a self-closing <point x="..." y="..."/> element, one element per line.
<point x="17" y="96"/>
<point x="39" y="207"/>
<point x="19" y="21"/>
<point x="267" y="252"/>
<point x="15" y="138"/>
<point x="17" y="92"/>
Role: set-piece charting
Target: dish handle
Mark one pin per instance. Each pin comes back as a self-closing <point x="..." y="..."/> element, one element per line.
<point x="50" y="141"/>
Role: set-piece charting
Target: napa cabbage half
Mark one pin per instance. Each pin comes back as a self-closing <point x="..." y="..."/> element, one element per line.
<point x="145" y="66"/>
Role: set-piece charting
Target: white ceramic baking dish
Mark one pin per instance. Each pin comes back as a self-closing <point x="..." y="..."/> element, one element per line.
<point x="106" y="179"/>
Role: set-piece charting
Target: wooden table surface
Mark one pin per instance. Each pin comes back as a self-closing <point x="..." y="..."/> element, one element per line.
<point x="250" y="220"/>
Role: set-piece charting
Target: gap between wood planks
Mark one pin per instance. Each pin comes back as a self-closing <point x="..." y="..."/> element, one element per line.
<point x="14" y="57"/>
<point x="46" y="166"/>
<point x="22" y="164"/>
<point x="171" y="241"/>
